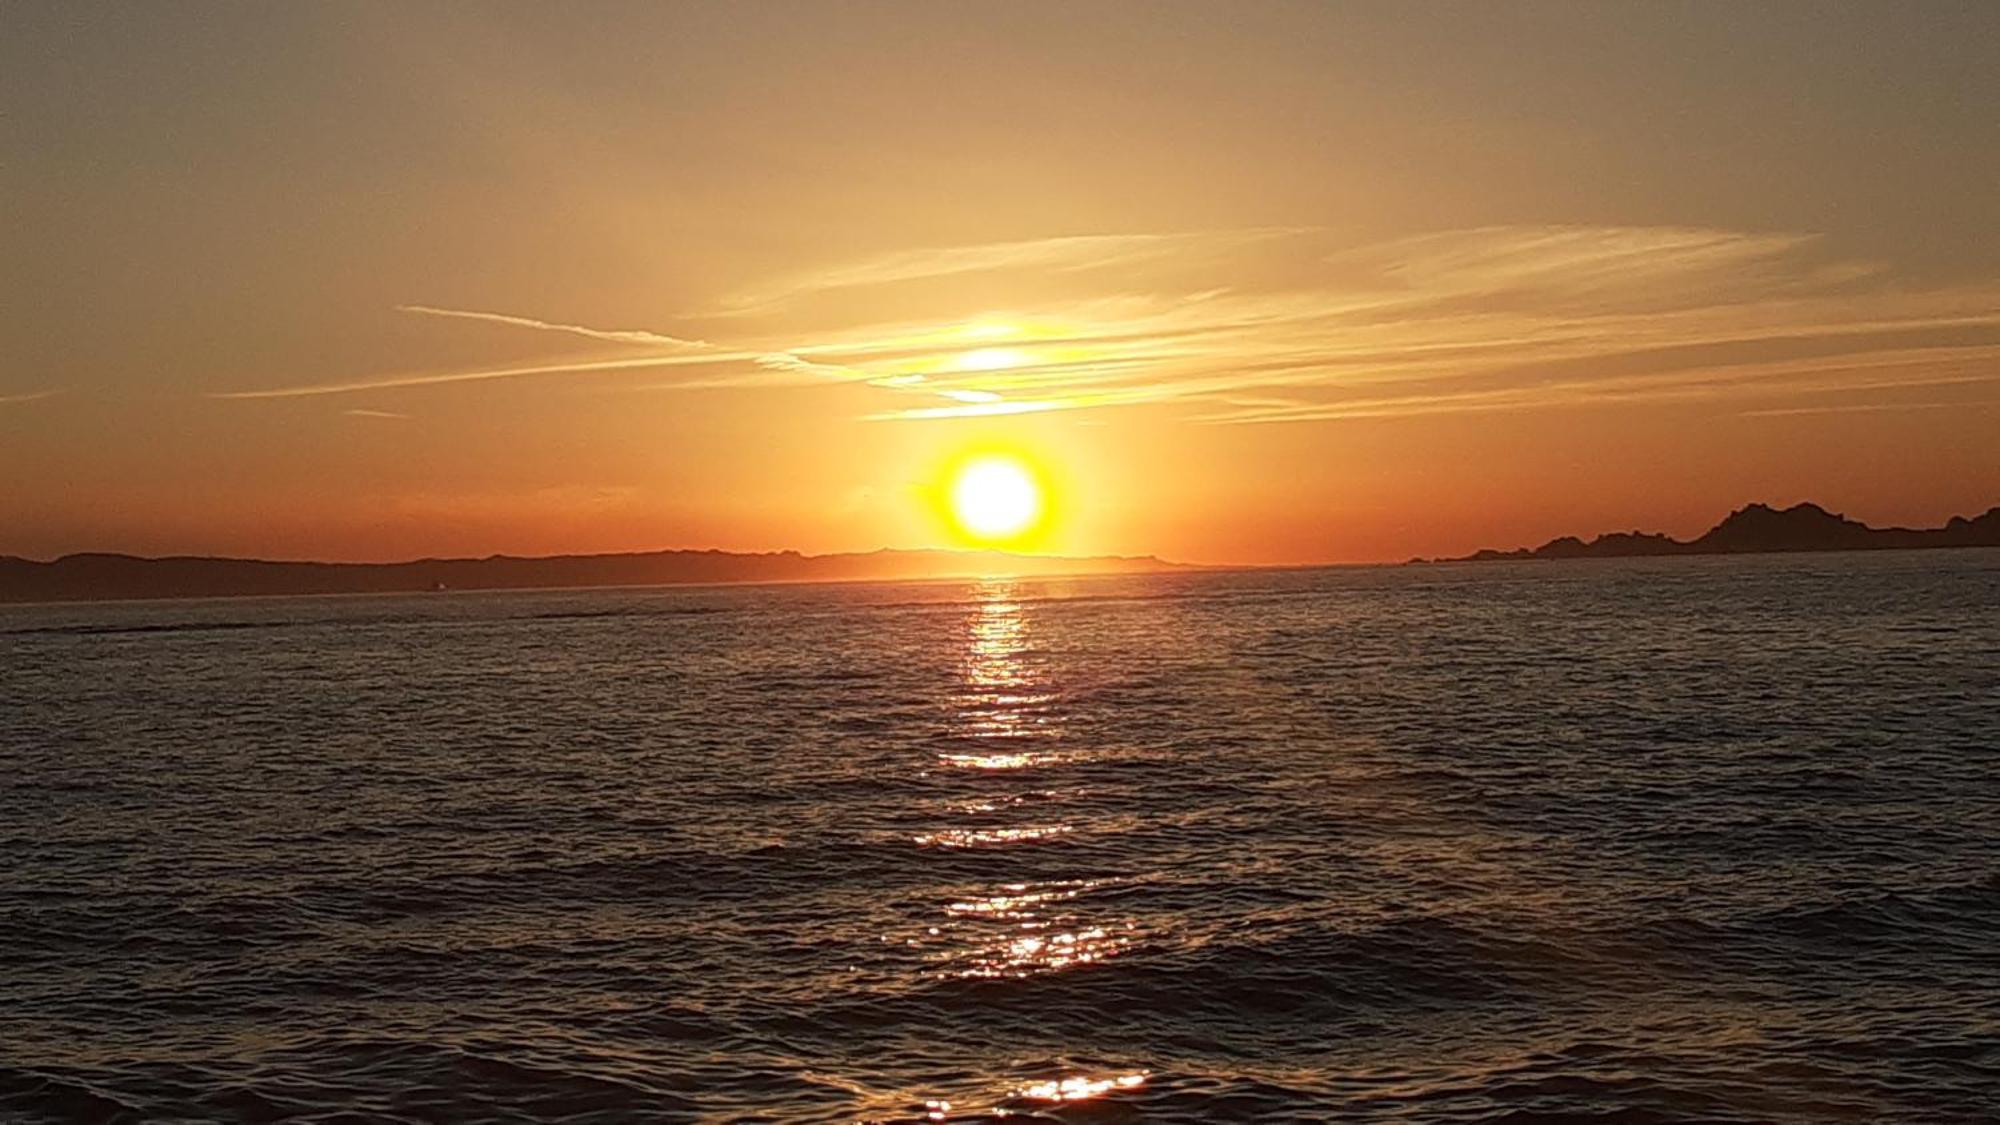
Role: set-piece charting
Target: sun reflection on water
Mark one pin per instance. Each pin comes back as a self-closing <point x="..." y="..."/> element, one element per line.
<point x="1081" y="1087"/>
<point x="1033" y="954"/>
<point x="991" y="837"/>
<point x="996" y="802"/>
<point x="1006" y="728"/>
<point x="993" y="761"/>
<point x="1002" y="698"/>
<point x="1021" y="930"/>
<point x="1008" y="761"/>
<point x="1003" y="703"/>
<point x="999" y="631"/>
<point x="1051" y="1091"/>
<point x="1017" y="899"/>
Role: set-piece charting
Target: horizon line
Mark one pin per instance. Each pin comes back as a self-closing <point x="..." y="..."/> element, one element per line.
<point x="784" y="552"/>
<point x="803" y="556"/>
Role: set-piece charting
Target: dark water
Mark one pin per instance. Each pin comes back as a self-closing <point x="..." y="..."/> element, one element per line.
<point x="1673" y="840"/>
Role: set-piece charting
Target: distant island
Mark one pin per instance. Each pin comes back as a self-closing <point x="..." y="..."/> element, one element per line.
<point x="94" y="577"/>
<point x="1762" y="528"/>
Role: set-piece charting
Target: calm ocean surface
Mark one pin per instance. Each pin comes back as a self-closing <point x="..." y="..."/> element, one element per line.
<point x="1647" y="841"/>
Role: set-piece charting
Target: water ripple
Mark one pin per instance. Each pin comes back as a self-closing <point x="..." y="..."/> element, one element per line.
<point x="1647" y="841"/>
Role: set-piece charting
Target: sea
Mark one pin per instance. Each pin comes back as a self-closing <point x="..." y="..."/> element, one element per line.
<point x="1666" y="840"/>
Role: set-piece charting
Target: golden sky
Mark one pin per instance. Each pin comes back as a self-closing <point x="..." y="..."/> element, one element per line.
<point x="1250" y="282"/>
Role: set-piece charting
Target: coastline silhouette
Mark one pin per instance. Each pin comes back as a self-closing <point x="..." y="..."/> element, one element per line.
<point x="104" y="576"/>
<point x="1761" y="529"/>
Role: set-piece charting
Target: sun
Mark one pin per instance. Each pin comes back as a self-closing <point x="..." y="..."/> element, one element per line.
<point x="995" y="498"/>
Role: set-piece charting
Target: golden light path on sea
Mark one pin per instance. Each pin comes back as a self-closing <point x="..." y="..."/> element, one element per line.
<point x="1020" y="928"/>
<point x="1082" y="1087"/>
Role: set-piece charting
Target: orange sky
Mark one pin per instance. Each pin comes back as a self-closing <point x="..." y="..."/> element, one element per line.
<point x="1248" y="283"/>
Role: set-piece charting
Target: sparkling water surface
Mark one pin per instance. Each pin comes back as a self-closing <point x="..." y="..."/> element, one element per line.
<point x="1641" y="841"/>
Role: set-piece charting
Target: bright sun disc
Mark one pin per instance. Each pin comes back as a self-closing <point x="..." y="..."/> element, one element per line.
<point x="995" y="498"/>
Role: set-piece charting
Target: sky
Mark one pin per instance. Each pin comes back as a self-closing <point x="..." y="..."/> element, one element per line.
<point x="1239" y="282"/>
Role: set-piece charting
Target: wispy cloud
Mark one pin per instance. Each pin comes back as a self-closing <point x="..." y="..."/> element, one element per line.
<point x="1491" y="319"/>
<point x="477" y="375"/>
<point x="1869" y="408"/>
<point x="1267" y="326"/>
<point x="1723" y="381"/>
<point x="614" y="336"/>
<point x="1042" y="255"/>
<point x="756" y="367"/>
<point x="358" y="413"/>
<point x="28" y="396"/>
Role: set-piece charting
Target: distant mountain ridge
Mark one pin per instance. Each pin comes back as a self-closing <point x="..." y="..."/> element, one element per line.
<point x="93" y="577"/>
<point x="1759" y="528"/>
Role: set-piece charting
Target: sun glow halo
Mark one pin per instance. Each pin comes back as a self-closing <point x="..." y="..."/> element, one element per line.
<point x="991" y="359"/>
<point x="995" y="498"/>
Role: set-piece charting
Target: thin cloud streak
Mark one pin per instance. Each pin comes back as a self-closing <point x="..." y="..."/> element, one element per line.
<point x="615" y="336"/>
<point x="1869" y="408"/>
<point x="1279" y="325"/>
<point x="30" y="396"/>
<point x="690" y="353"/>
<point x="1449" y="314"/>
<point x="771" y="366"/>
<point x="432" y="379"/>
<point x="1059" y="255"/>
<point x="1698" y="386"/>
